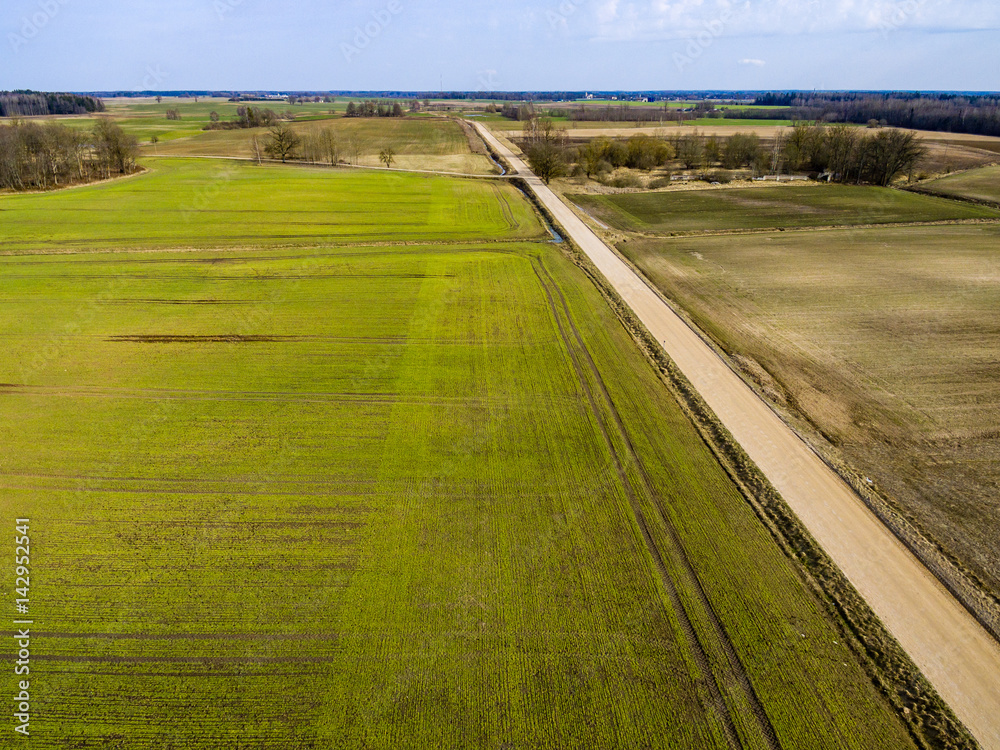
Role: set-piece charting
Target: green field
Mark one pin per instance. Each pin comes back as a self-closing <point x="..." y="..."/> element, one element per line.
<point x="144" y="118"/>
<point x="977" y="184"/>
<point x="885" y="340"/>
<point x="773" y="206"/>
<point x="406" y="483"/>
<point x="210" y="203"/>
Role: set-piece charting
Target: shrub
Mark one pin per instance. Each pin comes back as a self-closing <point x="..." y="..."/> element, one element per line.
<point x="625" y="180"/>
<point x="722" y="176"/>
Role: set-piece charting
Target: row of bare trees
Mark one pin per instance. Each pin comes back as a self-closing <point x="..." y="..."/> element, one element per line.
<point x="372" y="108"/>
<point x="36" y="103"/>
<point x="40" y="156"/>
<point x="246" y="118"/>
<point x="839" y="152"/>
<point x="318" y="146"/>
<point x="955" y="113"/>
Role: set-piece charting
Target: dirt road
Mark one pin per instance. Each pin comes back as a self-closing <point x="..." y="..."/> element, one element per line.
<point x="958" y="657"/>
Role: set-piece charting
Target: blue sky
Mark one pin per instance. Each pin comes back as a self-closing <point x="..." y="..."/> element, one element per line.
<point x="499" y="44"/>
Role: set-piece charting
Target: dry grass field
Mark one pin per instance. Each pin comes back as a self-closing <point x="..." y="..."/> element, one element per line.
<point x="424" y="143"/>
<point x="982" y="185"/>
<point x="799" y="205"/>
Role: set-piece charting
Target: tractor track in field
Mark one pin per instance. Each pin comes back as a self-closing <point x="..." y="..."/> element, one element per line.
<point x="676" y="547"/>
<point x="508" y="213"/>
<point x="676" y="552"/>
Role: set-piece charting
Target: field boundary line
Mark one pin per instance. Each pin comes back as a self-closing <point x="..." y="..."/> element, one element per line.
<point x="695" y="234"/>
<point x="76" y="186"/>
<point x="316" y="164"/>
<point x="927" y="190"/>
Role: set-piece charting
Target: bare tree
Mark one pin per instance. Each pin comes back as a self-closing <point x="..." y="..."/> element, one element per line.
<point x="546" y="161"/>
<point x="116" y="150"/>
<point x="255" y="145"/>
<point x="895" y="152"/>
<point x="332" y="146"/>
<point x="282" y="142"/>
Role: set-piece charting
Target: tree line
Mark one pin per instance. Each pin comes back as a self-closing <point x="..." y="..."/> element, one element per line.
<point x="950" y="113"/>
<point x="372" y="108"/>
<point x="839" y="153"/>
<point x="34" y="104"/>
<point x="320" y="146"/>
<point x="245" y="118"/>
<point x="39" y="156"/>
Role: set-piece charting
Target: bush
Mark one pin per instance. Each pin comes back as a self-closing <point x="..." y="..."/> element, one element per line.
<point x="625" y="180"/>
<point x="722" y="176"/>
<point x="661" y="182"/>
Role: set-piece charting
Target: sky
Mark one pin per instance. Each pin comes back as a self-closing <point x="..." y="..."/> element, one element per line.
<point x="499" y="45"/>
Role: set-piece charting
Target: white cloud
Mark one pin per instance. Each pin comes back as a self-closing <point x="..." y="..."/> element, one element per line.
<point x="754" y="62"/>
<point x="681" y="19"/>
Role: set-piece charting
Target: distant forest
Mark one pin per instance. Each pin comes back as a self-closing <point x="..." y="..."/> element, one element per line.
<point x="33" y="103"/>
<point x="950" y="113"/>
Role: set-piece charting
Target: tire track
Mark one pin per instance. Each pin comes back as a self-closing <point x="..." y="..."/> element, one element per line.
<point x="690" y="634"/>
<point x="676" y="547"/>
<point x="505" y="208"/>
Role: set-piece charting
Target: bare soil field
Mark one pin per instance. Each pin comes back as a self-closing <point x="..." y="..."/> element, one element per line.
<point x="886" y="340"/>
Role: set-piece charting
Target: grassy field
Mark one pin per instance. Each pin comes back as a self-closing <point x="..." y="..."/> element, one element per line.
<point x="885" y="339"/>
<point x="145" y="118"/>
<point x="420" y="142"/>
<point x="429" y="144"/>
<point x="209" y="203"/>
<point x="978" y="185"/>
<point x="773" y="206"/>
<point x="381" y="489"/>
